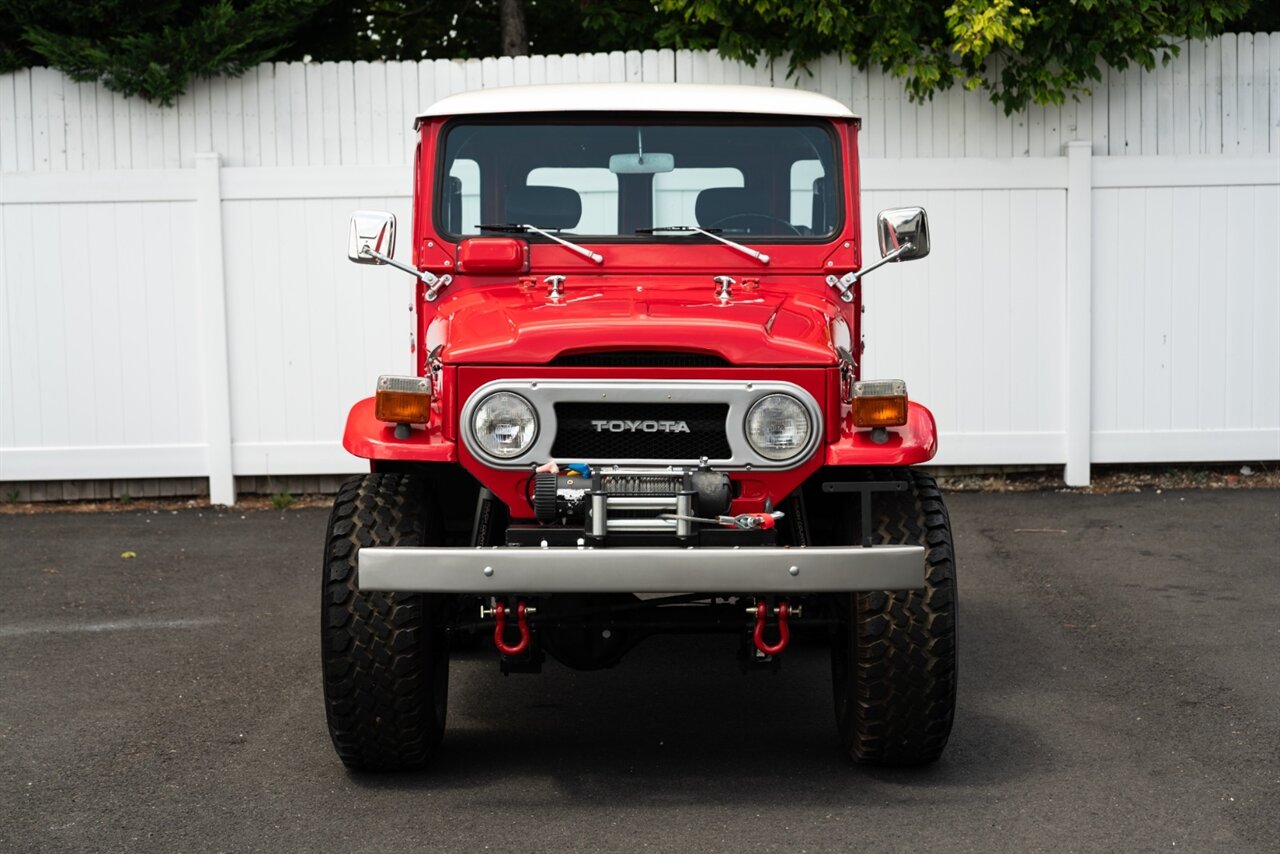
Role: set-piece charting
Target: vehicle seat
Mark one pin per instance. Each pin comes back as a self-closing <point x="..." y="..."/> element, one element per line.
<point x="824" y="205"/>
<point x="545" y="207"/>
<point x="718" y="204"/>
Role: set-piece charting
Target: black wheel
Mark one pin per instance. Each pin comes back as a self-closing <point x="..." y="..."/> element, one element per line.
<point x="893" y="656"/>
<point x="386" y="655"/>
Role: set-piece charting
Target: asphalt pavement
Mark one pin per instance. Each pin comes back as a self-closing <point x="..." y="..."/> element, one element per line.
<point x="1119" y="690"/>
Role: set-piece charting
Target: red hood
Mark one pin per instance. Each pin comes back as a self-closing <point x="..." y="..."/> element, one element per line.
<point x="771" y="324"/>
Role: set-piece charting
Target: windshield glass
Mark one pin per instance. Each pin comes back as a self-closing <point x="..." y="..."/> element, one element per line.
<point x="594" y="179"/>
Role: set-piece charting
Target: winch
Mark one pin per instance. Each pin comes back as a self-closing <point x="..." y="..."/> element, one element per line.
<point x="635" y="506"/>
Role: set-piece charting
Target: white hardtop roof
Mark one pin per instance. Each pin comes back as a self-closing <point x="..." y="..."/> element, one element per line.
<point x="638" y="97"/>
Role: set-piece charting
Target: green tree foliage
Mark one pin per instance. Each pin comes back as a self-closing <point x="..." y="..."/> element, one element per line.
<point x="1047" y="51"/>
<point x="1018" y="51"/>
<point x="465" y="29"/>
<point x="150" y="48"/>
<point x="154" y="49"/>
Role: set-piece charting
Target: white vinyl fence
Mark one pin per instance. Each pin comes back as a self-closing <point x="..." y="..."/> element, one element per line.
<point x="175" y="299"/>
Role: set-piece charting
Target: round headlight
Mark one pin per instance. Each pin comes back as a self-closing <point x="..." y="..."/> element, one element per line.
<point x="778" y="427"/>
<point x="504" y="424"/>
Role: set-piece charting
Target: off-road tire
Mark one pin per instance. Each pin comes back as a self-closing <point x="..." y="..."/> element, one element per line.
<point x="385" y="655"/>
<point x="894" y="652"/>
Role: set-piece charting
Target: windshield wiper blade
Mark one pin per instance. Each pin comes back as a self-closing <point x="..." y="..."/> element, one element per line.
<point x="745" y="250"/>
<point x="509" y="227"/>
<point x="516" y="228"/>
<point x="658" y="228"/>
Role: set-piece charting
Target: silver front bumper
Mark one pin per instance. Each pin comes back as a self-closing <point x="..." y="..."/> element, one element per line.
<point x="642" y="570"/>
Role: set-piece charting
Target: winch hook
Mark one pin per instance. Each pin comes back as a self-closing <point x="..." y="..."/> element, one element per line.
<point x="784" y="631"/>
<point x="499" y="630"/>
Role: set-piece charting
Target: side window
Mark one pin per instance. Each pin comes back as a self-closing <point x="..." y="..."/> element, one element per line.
<point x="808" y="196"/>
<point x="462" y="197"/>
<point x="675" y="193"/>
<point x="598" y="188"/>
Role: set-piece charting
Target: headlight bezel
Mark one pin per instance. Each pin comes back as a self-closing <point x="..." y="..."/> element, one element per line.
<point x="799" y="448"/>
<point x="480" y="410"/>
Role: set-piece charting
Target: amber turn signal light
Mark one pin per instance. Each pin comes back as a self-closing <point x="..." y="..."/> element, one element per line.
<point x="403" y="400"/>
<point x="881" y="403"/>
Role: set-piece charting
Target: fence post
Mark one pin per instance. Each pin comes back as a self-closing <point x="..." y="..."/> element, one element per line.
<point x="1079" y="332"/>
<point x="213" y="313"/>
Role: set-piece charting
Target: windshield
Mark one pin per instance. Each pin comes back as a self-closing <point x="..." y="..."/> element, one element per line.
<point x="610" y="180"/>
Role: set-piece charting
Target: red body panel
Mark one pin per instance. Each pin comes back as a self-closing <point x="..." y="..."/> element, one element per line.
<point x="782" y="322"/>
<point x="372" y="439"/>
<point x="911" y="444"/>
<point x="773" y="321"/>
<point x="798" y="268"/>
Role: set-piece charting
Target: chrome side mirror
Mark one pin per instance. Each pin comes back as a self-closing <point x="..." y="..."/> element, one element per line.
<point x="373" y="241"/>
<point x="904" y="233"/>
<point x="373" y="237"/>
<point x="904" y="236"/>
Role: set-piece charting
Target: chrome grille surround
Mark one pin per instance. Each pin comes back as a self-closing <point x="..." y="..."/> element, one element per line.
<point x="738" y="395"/>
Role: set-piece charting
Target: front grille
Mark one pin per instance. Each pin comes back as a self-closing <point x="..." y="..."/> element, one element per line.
<point x="639" y="359"/>
<point x="659" y="421"/>
<point x="641" y="431"/>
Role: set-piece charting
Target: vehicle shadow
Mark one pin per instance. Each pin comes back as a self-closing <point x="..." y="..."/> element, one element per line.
<point x="679" y="721"/>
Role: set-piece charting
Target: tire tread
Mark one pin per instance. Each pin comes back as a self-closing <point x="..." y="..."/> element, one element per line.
<point x="377" y="647"/>
<point x="902" y="703"/>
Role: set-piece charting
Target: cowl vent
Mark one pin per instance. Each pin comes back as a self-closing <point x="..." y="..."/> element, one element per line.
<point x="639" y="359"/>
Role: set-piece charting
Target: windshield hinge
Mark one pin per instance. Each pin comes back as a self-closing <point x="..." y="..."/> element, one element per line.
<point x="844" y="284"/>
<point x="435" y="284"/>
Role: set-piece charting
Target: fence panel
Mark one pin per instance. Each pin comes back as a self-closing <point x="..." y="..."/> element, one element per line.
<point x="1186" y="360"/>
<point x="1217" y="97"/>
<point x="310" y="332"/>
<point x="977" y="328"/>
<point x="98" y="330"/>
<point x="108" y="368"/>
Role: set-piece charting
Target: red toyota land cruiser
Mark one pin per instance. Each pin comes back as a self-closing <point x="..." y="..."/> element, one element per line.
<point x="637" y="408"/>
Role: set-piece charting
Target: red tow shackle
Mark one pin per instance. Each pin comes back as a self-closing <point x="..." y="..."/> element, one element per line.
<point x="784" y="631"/>
<point x="522" y="622"/>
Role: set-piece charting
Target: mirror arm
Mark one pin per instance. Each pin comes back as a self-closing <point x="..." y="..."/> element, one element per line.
<point x="892" y="256"/>
<point x="844" y="284"/>
<point x="434" y="283"/>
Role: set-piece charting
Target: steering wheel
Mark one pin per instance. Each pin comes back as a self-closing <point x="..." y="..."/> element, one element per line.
<point x="791" y="229"/>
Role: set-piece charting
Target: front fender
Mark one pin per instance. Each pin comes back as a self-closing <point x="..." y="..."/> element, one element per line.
<point x="913" y="443"/>
<point x="372" y="439"/>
